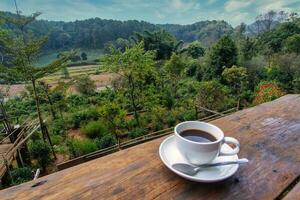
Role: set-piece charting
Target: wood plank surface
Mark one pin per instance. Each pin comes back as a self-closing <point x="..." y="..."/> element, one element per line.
<point x="269" y="137"/>
<point x="294" y="194"/>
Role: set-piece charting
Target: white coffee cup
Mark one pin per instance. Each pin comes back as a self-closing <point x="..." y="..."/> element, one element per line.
<point x="201" y="153"/>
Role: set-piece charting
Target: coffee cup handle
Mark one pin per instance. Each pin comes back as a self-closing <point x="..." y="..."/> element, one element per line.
<point x="231" y="140"/>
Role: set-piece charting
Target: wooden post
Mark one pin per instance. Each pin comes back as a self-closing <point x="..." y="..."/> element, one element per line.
<point x="7" y="168"/>
<point x="19" y="159"/>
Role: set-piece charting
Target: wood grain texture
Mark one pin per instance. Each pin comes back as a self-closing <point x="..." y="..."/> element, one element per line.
<point x="269" y="137"/>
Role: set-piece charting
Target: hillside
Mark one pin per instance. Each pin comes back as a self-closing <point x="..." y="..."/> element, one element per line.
<point x="95" y="32"/>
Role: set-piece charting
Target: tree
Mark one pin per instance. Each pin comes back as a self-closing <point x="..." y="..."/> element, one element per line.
<point x="247" y="48"/>
<point x="23" y="51"/>
<point x="174" y="70"/>
<point x="115" y="116"/>
<point x="271" y="42"/>
<point x="223" y="54"/>
<point x="46" y="92"/>
<point x="134" y="65"/>
<point x="292" y="44"/>
<point x="65" y="71"/>
<point x="83" y="56"/>
<point x="162" y="42"/>
<point x="40" y="151"/>
<point x="211" y="95"/>
<point x="195" y="50"/>
<point x="85" y="85"/>
<point x="237" y="78"/>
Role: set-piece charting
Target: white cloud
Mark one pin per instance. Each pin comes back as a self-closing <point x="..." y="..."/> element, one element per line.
<point x="233" y="5"/>
<point x="181" y="5"/>
<point x="267" y="5"/>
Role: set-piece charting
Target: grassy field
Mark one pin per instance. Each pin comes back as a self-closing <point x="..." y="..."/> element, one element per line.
<point x="95" y="72"/>
<point x="49" y="56"/>
<point x="74" y="71"/>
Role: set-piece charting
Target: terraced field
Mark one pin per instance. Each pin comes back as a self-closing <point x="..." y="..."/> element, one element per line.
<point x="101" y="78"/>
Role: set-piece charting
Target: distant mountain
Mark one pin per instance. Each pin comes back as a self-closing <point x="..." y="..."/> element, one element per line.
<point x="95" y="33"/>
<point x="207" y="32"/>
<point x="260" y="26"/>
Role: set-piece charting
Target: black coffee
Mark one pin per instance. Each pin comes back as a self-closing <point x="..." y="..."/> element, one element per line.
<point x="198" y="136"/>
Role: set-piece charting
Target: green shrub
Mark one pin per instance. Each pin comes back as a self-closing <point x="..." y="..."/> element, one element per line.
<point x="40" y="151"/>
<point x="21" y="175"/>
<point x="131" y="123"/>
<point x="94" y="129"/>
<point x="58" y="127"/>
<point x="61" y="149"/>
<point x="171" y="120"/>
<point x="85" y="85"/>
<point x="81" y="147"/>
<point x="83" y="116"/>
<point x="56" y="139"/>
<point x="189" y="115"/>
<point x="107" y="141"/>
<point x="76" y="100"/>
<point x="158" y="125"/>
<point x="136" y="133"/>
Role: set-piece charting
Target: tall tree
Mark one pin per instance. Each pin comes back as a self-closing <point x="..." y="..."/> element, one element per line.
<point x="223" y="54"/>
<point x="237" y="78"/>
<point x="134" y="65"/>
<point x="162" y="42"/>
<point x="195" y="50"/>
<point x="23" y="50"/>
<point x="174" y="68"/>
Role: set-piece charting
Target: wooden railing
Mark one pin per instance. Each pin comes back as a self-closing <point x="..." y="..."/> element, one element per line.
<point x="26" y="131"/>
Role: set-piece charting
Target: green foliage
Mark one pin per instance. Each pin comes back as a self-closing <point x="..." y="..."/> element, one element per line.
<point x="272" y="41"/>
<point x="106" y="141"/>
<point x="136" y="66"/>
<point x="223" y="54"/>
<point x="56" y="139"/>
<point x="283" y="70"/>
<point x="292" y="44"/>
<point x="58" y="127"/>
<point x="236" y="77"/>
<point x="65" y="72"/>
<point x="21" y="175"/>
<point x="159" y="115"/>
<point x="94" y="129"/>
<point x="248" y="48"/>
<point x="138" y="132"/>
<point x="81" y="147"/>
<point x="162" y="42"/>
<point x="83" y="116"/>
<point x="212" y="95"/>
<point x="83" y="56"/>
<point x="85" y="85"/>
<point x="76" y="100"/>
<point x="195" y="50"/>
<point x="40" y="151"/>
<point x="113" y="114"/>
<point x="296" y="85"/>
<point x="175" y="66"/>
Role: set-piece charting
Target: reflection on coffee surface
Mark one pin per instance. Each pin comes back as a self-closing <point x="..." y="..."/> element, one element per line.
<point x="197" y="135"/>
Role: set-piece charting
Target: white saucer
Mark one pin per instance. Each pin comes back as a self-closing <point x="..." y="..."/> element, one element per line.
<point x="170" y="155"/>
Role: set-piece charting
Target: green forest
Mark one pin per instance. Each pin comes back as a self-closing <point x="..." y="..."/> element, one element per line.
<point x="164" y="74"/>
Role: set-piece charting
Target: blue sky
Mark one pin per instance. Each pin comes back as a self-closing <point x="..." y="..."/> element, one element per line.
<point x="154" y="11"/>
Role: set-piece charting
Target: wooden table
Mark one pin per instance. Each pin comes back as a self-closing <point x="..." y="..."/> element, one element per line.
<point x="269" y="135"/>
